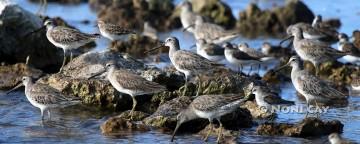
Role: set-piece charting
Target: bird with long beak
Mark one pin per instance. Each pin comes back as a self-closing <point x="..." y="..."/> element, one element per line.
<point x="210" y="32"/>
<point x="114" y="32"/>
<point x="187" y="16"/>
<point x="44" y="97"/>
<point x="311" y="87"/>
<point x="209" y="107"/>
<point x="187" y="62"/>
<point x="315" y="51"/>
<point x="129" y="83"/>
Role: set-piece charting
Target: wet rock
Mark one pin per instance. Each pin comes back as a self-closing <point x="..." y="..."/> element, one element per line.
<point x="254" y="22"/>
<point x="256" y="112"/>
<point x="98" y="91"/>
<point x="218" y="11"/>
<point x="136" y="46"/>
<point x="16" y="44"/>
<point x="62" y="1"/>
<point x="137" y="115"/>
<point x="229" y="136"/>
<point x="165" y="117"/>
<point x="10" y="75"/>
<point x="133" y="13"/>
<point x="308" y="127"/>
<point x="117" y="125"/>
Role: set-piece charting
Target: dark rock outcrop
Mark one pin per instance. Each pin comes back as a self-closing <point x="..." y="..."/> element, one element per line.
<point x="254" y="22"/>
<point x="308" y="127"/>
<point x="133" y="13"/>
<point x="117" y="125"/>
<point x="10" y="75"/>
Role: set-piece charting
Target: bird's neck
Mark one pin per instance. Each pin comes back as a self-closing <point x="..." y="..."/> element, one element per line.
<point x="173" y="49"/>
<point x="49" y="27"/>
<point x="28" y="86"/>
<point x="190" y="114"/>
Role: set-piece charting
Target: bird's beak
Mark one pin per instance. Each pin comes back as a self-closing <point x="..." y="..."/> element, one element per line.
<point x="282" y="67"/>
<point x="155" y="48"/>
<point x="288" y="38"/>
<point x="176" y="128"/>
<point x="188" y="27"/>
<point x="19" y="84"/>
<point x="96" y="74"/>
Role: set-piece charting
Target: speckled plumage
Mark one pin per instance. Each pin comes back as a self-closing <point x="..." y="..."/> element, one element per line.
<point x="210" y="51"/>
<point x="310" y="86"/>
<point x="212" y="33"/>
<point x="312" y="50"/>
<point x="113" y="31"/>
<point x="45" y="97"/>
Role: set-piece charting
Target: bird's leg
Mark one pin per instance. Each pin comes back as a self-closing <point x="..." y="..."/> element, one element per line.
<point x="186" y="85"/>
<point x="49" y="114"/>
<point x="307" y="111"/>
<point x="42" y="114"/>
<point x="250" y="70"/>
<point x="71" y="55"/>
<point x="219" y="132"/>
<point x="317" y="106"/>
<point x="209" y="131"/>
<point x="64" y="60"/>
<point x="133" y="107"/>
<point x="199" y="86"/>
<point x="259" y="66"/>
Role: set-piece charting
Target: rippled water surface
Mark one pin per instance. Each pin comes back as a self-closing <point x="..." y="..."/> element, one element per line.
<point x="20" y="121"/>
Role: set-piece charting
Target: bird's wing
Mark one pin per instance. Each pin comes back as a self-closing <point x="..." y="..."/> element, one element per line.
<point x="244" y="56"/>
<point x="118" y="29"/>
<point x="317" y="87"/>
<point x="214" y="102"/>
<point x="193" y="61"/>
<point x="213" y="49"/>
<point x="45" y="94"/>
<point x="68" y="35"/>
<point x="132" y="81"/>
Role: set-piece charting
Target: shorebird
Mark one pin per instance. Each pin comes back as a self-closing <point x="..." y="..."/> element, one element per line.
<point x="209" y="107"/>
<point x="44" y="97"/>
<point x="238" y="58"/>
<point x="113" y="32"/>
<point x="187" y="16"/>
<point x="67" y="38"/>
<point x="129" y="83"/>
<point x="244" y="47"/>
<point x="209" y="51"/>
<point x="211" y="33"/>
<point x="310" y="86"/>
<point x="335" y="138"/>
<point x="187" y="62"/>
<point x="149" y="31"/>
<point x="309" y="32"/>
<point x="346" y="46"/>
<point x="312" y="50"/>
<point x="355" y="84"/>
<point x="267" y="99"/>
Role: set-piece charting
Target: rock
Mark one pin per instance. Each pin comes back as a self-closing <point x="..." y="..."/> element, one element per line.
<point x="137" y="115"/>
<point x="63" y="1"/>
<point x="133" y="13"/>
<point x="15" y="45"/>
<point x="229" y="136"/>
<point x="218" y="11"/>
<point x="117" y="125"/>
<point x="308" y="127"/>
<point x="165" y="117"/>
<point x="255" y="22"/>
<point x="136" y="46"/>
<point x="11" y="75"/>
<point x="98" y="91"/>
<point x="256" y="112"/>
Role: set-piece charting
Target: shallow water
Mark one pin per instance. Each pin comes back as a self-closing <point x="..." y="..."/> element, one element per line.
<point x="20" y="121"/>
